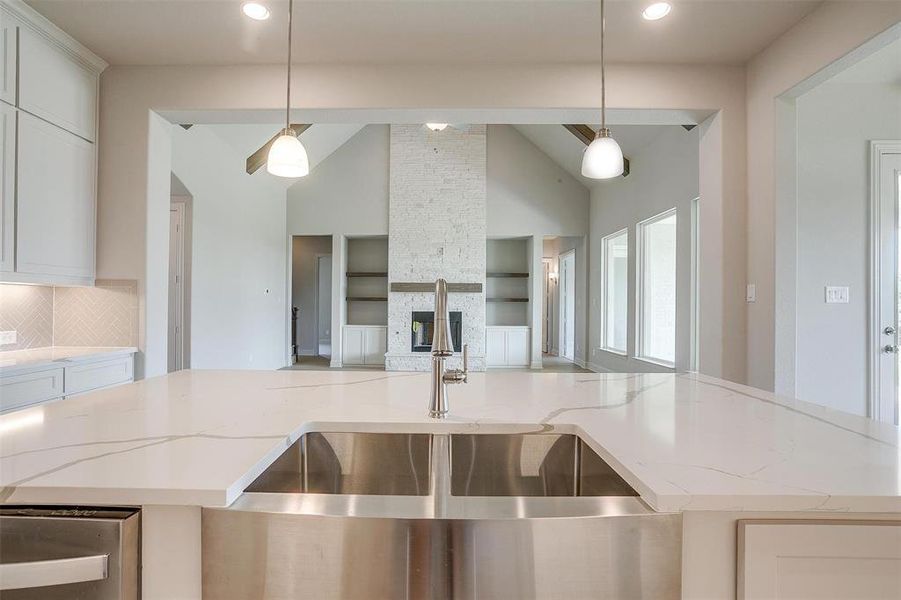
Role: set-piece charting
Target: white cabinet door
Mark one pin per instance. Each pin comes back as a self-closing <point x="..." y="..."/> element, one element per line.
<point x="819" y="559"/>
<point x="8" y="33"/>
<point x="17" y="391"/>
<point x="55" y="86"/>
<point x="83" y="377"/>
<point x="518" y="347"/>
<point x="352" y="346"/>
<point x="375" y="344"/>
<point x="7" y="186"/>
<point x="55" y="201"/>
<point x="495" y="347"/>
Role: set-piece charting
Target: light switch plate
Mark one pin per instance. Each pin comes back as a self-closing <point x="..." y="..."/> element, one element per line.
<point x="7" y="337"/>
<point x="838" y="294"/>
<point x="751" y="293"/>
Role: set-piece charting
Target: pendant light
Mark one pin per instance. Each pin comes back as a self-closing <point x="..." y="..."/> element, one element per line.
<point x="603" y="157"/>
<point x="287" y="156"/>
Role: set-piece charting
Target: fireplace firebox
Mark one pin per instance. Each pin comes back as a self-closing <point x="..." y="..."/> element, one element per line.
<point x="423" y="325"/>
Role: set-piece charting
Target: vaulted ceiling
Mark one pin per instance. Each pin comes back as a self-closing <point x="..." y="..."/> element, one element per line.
<point x="169" y="32"/>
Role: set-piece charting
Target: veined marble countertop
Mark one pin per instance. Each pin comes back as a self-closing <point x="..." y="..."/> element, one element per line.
<point x="685" y="442"/>
<point x="21" y="361"/>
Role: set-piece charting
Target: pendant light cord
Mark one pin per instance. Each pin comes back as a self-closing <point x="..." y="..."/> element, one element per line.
<point x="288" y="103"/>
<point x="603" y="72"/>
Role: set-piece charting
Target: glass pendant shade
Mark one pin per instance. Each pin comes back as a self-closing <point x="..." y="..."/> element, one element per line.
<point x="603" y="159"/>
<point x="287" y="157"/>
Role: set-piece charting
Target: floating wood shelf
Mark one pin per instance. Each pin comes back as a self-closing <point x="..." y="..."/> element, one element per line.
<point x="464" y="288"/>
<point x="367" y="274"/>
<point x="508" y="299"/>
<point x="366" y="299"/>
<point x="508" y="275"/>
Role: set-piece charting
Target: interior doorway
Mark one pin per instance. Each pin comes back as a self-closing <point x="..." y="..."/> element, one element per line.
<point x="567" y="278"/>
<point x="311" y="299"/>
<point x="884" y="336"/>
<point x="547" y="304"/>
<point x="179" y="320"/>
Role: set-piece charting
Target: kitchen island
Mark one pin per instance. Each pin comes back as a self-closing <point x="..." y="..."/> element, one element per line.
<point x="714" y="451"/>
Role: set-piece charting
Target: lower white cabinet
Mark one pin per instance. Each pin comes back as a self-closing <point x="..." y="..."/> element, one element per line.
<point x="17" y="391"/>
<point x="364" y="345"/>
<point x="814" y="559"/>
<point x="507" y="346"/>
<point x="70" y="378"/>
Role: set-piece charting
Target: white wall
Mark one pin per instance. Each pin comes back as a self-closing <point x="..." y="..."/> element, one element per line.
<point x="664" y="175"/>
<point x="528" y="193"/>
<point x="303" y="289"/>
<point x="826" y="34"/>
<point x="239" y="256"/>
<point x="347" y="193"/>
<point x="835" y="123"/>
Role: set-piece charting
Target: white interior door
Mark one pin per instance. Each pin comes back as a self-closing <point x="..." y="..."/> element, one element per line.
<point x="324" y="305"/>
<point x="568" y="305"/>
<point x="546" y="308"/>
<point x="887" y="188"/>
<point x="176" y="286"/>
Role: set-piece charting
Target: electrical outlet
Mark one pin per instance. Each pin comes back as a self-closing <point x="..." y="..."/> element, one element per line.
<point x="7" y="337"/>
<point x="838" y="294"/>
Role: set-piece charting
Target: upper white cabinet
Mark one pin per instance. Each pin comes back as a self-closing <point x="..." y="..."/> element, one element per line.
<point x="7" y="186"/>
<point x="49" y="88"/>
<point x="55" y="86"/>
<point x="9" y="31"/>
<point x="55" y="214"/>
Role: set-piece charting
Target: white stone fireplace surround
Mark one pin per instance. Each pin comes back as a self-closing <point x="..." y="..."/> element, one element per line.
<point x="436" y="228"/>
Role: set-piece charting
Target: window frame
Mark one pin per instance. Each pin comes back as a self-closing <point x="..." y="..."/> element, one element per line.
<point x="640" y="228"/>
<point x="604" y="288"/>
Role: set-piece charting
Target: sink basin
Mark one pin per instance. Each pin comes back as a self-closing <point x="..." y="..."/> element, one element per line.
<point x="394" y="464"/>
<point x="530" y="465"/>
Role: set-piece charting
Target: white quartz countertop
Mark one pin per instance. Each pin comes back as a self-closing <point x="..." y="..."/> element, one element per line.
<point x="685" y="442"/>
<point x="16" y="361"/>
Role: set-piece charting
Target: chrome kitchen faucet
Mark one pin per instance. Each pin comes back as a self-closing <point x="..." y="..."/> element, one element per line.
<point x="442" y="348"/>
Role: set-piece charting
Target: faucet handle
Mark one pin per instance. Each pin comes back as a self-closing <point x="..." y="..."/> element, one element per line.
<point x="458" y="375"/>
<point x="465" y="359"/>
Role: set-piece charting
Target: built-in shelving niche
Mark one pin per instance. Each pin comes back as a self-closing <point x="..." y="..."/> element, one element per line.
<point x="507" y="282"/>
<point x="367" y="281"/>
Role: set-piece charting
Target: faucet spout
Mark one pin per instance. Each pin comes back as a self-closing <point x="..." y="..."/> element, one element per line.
<point x="442" y="348"/>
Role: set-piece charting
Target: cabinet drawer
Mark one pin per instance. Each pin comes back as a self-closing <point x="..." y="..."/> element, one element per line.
<point x="55" y="86"/>
<point x="21" y="390"/>
<point x="91" y="376"/>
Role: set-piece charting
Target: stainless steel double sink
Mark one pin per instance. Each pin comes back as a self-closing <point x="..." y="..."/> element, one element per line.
<point x="427" y="515"/>
<point x="401" y="464"/>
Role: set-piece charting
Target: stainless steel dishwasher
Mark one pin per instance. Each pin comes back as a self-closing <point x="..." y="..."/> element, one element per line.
<point x="76" y="553"/>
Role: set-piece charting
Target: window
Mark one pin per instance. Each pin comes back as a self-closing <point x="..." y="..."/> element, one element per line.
<point x="657" y="289"/>
<point x="615" y="290"/>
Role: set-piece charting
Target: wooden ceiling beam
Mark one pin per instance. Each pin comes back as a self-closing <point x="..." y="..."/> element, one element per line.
<point x="258" y="158"/>
<point x="586" y="135"/>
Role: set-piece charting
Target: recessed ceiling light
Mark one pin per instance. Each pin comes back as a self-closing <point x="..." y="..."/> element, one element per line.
<point x="255" y="11"/>
<point x="436" y="126"/>
<point x="655" y="11"/>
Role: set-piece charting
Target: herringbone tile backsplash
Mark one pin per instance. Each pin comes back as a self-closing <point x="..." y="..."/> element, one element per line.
<point x="104" y="315"/>
<point x="27" y="309"/>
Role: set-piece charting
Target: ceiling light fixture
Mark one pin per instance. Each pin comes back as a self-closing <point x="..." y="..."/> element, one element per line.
<point x="287" y="156"/>
<point x="255" y="11"/>
<point x="603" y="157"/>
<point x="655" y="11"/>
<point x="436" y="126"/>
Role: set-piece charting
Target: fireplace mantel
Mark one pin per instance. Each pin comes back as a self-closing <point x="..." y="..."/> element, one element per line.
<point x="458" y="288"/>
